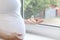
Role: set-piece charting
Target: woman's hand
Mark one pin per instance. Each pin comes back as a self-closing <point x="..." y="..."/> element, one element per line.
<point x="14" y="37"/>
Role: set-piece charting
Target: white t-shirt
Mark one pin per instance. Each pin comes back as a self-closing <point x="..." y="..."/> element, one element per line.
<point x="10" y="17"/>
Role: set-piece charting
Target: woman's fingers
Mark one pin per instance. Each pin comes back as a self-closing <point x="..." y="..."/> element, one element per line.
<point x="14" y="36"/>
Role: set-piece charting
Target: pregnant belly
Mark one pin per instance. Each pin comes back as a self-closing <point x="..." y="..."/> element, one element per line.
<point x="11" y="24"/>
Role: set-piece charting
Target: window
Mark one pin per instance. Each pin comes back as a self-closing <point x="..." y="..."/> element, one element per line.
<point x="49" y="11"/>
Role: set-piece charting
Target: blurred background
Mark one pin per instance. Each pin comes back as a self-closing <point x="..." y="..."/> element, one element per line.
<point x="37" y="7"/>
<point x="47" y="24"/>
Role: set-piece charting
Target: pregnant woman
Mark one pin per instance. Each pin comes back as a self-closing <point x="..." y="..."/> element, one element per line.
<point x="11" y="23"/>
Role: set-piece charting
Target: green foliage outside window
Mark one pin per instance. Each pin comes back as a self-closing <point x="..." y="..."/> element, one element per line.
<point x="32" y="7"/>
